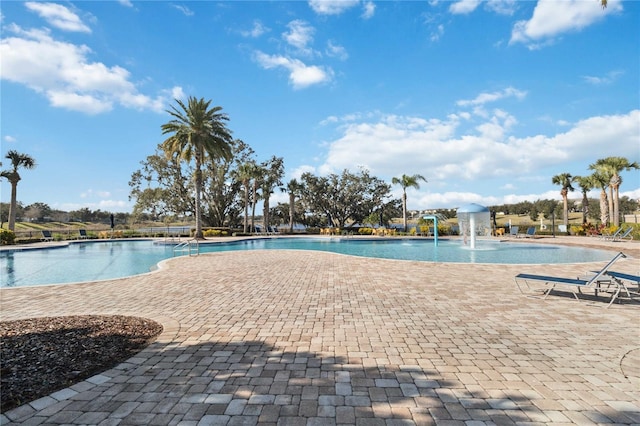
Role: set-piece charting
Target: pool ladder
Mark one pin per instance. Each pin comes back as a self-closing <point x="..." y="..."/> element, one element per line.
<point x="189" y="247"/>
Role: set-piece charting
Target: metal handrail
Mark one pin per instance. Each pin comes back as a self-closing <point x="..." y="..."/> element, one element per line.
<point x="191" y="247"/>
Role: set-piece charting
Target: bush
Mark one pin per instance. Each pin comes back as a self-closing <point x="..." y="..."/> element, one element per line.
<point x="7" y="237"/>
<point x="109" y="234"/>
<point x="365" y="231"/>
<point x="215" y="233"/>
<point x="578" y="230"/>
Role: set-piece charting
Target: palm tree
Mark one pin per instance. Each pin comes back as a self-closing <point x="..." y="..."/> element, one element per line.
<point x="603" y="172"/>
<point x="257" y="173"/>
<point x="586" y="184"/>
<point x="244" y="174"/>
<point x="197" y="131"/>
<point x="17" y="160"/>
<point x="564" y="180"/>
<point x="293" y="188"/>
<point x="613" y="167"/>
<point x="407" y="182"/>
<point x="274" y="170"/>
<point x="600" y="180"/>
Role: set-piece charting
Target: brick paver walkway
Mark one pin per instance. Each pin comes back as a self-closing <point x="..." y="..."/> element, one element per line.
<point x="310" y="338"/>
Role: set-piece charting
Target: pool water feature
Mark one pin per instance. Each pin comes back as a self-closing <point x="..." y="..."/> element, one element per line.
<point x="102" y="260"/>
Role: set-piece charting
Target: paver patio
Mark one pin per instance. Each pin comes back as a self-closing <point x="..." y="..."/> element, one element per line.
<point x="311" y="338"/>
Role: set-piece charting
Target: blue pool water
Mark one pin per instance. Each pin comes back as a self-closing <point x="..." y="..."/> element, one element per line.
<point x="93" y="261"/>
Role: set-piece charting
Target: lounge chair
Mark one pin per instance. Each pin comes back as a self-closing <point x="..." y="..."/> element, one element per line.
<point x="595" y="282"/>
<point x="562" y="228"/>
<point x="46" y="236"/>
<point x="606" y="235"/>
<point x="624" y="277"/>
<point x="626" y="234"/>
<point x="83" y="234"/>
<point x="513" y="231"/>
<point x="531" y="232"/>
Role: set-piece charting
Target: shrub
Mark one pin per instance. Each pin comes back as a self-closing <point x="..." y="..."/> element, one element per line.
<point x="109" y="234"/>
<point x="444" y="229"/>
<point x="578" y="230"/>
<point x="365" y="231"/>
<point x="7" y="237"/>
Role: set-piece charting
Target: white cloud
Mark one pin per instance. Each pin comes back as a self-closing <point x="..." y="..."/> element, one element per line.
<point x="634" y="194"/>
<point x="299" y="171"/>
<point x="336" y="51"/>
<point x="487" y="157"/>
<point x="90" y="193"/>
<point x="437" y="33"/>
<point x="9" y="139"/>
<point x="369" y="10"/>
<point x="104" y="205"/>
<point x="391" y="145"/>
<point x="184" y="9"/>
<point x="552" y="18"/>
<point x="256" y="31"/>
<point x="463" y="7"/>
<point x="58" y="16"/>
<point x="331" y="7"/>
<point x="300" y="74"/>
<point x="62" y="72"/>
<point x="299" y="36"/>
<point x="484" y="98"/>
<point x="608" y="78"/>
<point x="126" y="3"/>
<point x="502" y="7"/>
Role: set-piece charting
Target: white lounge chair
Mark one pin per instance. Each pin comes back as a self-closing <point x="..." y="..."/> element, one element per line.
<point x="595" y="282"/>
<point x="623" y="236"/>
<point x="513" y="231"/>
<point x="531" y="232"/>
<point x="609" y="236"/>
<point x="624" y="278"/>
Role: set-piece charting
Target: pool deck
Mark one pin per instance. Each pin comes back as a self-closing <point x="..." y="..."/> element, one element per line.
<point x="289" y="338"/>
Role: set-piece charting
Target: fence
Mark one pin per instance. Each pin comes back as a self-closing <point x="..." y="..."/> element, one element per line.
<point x="631" y="218"/>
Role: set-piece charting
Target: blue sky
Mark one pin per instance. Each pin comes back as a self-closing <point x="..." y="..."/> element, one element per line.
<point x="486" y="99"/>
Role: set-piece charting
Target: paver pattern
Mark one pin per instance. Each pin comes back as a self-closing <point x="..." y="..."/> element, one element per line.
<point x="309" y="338"/>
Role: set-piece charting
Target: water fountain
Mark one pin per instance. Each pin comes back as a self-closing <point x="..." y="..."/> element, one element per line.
<point x="435" y="227"/>
<point x="473" y="220"/>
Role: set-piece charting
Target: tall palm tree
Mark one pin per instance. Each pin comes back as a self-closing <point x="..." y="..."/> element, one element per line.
<point x="257" y="174"/>
<point x="601" y="181"/>
<point x="586" y="184"/>
<point x="244" y="173"/>
<point x="197" y="131"/>
<point x="603" y="172"/>
<point x="564" y="180"/>
<point x="613" y="167"/>
<point x="17" y="160"/>
<point x="293" y="188"/>
<point x="407" y="182"/>
<point x="274" y="170"/>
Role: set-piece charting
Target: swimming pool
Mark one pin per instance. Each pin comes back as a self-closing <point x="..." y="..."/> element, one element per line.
<point x="101" y="260"/>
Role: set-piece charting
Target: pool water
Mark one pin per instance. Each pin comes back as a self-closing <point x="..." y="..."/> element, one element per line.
<point x="94" y="261"/>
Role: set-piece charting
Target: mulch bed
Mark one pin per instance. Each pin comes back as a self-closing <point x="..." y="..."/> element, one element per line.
<point x="39" y="356"/>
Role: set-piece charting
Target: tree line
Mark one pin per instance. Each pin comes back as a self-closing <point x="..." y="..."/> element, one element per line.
<point x="605" y="177"/>
<point x="200" y="171"/>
